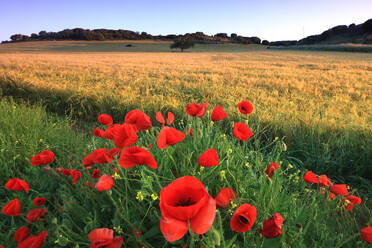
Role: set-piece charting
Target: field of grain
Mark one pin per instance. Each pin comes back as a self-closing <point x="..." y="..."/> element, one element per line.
<point x="320" y="102"/>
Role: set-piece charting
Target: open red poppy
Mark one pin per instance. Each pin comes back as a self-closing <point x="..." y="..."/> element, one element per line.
<point x="22" y="233"/>
<point x="42" y="158"/>
<point x="105" y="182"/>
<point x="271" y="168"/>
<point x="104" y="238"/>
<point x="169" y="136"/>
<point x="105" y="119"/>
<point x="224" y="197"/>
<point x="197" y="110"/>
<point x="339" y="189"/>
<point x="134" y="155"/>
<point x="242" y="131"/>
<point x="138" y="119"/>
<point x="125" y="136"/>
<point x="243" y="218"/>
<point x="35" y="241"/>
<point x="39" y="201"/>
<point x="366" y="234"/>
<point x="35" y="214"/>
<point x="17" y="185"/>
<point x="245" y="107"/>
<point x="324" y="181"/>
<point x="13" y="208"/>
<point x="209" y="158"/>
<point x="182" y="201"/>
<point x="218" y="113"/>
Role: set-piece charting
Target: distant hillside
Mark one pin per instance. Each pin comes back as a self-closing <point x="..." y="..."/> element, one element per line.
<point x="109" y="34"/>
<point x="360" y="34"/>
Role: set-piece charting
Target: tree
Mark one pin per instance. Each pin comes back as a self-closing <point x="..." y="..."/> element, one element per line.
<point x="182" y="44"/>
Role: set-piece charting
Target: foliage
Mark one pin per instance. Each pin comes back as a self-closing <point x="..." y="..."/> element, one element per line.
<point x="183" y="44"/>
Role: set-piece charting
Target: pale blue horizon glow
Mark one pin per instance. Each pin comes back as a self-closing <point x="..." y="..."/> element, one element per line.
<point x="267" y="19"/>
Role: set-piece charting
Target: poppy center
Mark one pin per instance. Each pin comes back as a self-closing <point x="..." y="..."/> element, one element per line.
<point x="243" y="219"/>
<point x="243" y="108"/>
<point x="185" y="202"/>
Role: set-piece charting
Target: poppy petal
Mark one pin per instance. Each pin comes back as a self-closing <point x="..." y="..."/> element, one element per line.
<point x="173" y="229"/>
<point x="203" y="220"/>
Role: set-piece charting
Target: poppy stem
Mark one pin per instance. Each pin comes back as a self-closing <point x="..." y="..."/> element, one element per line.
<point x="348" y="240"/>
<point x="221" y="229"/>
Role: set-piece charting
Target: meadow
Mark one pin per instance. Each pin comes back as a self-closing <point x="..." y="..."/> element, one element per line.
<point x="316" y="105"/>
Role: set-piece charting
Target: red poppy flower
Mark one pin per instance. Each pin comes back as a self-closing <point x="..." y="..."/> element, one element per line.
<point x="125" y="136"/>
<point x="104" y="238"/>
<point x="243" y="218"/>
<point x="224" y="197"/>
<point x="58" y="170"/>
<point x="98" y="156"/>
<point x="366" y="234"/>
<point x="354" y="199"/>
<point x="21" y="234"/>
<point x="324" y="181"/>
<point x="134" y="155"/>
<point x="331" y="196"/>
<point x="96" y="173"/>
<point x="218" y="113"/>
<point x="170" y="118"/>
<point x="137" y="232"/>
<point x="35" y="241"/>
<point x="105" y="119"/>
<point x="197" y="110"/>
<point x="190" y="131"/>
<point x="111" y="153"/>
<point x="245" y="107"/>
<point x="169" y="136"/>
<point x="104" y="183"/>
<point x="98" y="132"/>
<point x="208" y="158"/>
<point x="272" y="227"/>
<point x="13" y="208"/>
<point x="242" y="131"/>
<point x="310" y="177"/>
<point x="34" y="214"/>
<point x="17" y="185"/>
<point x="339" y="189"/>
<point x="111" y="131"/>
<point x="138" y="119"/>
<point x="271" y="168"/>
<point x="160" y="118"/>
<point x="182" y="201"/>
<point x="42" y="158"/>
<point x="39" y="201"/>
<point x="66" y="172"/>
<point x="75" y="174"/>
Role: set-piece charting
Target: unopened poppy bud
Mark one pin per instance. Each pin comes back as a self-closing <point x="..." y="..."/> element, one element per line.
<point x="215" y="235"/>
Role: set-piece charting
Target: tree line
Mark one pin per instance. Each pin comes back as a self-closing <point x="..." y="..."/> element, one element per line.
<point x="120" y="34"/>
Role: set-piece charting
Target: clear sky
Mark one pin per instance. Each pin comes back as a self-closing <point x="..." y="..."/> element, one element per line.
<point x="267" y="19"/>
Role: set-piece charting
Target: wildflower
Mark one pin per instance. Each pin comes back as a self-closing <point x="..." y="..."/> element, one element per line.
<point x="116" y="175"/>
<point x="96" y="173"/>
<point x="75" y="174"/>
<point x="138" y="119"/>
<point x="229" y="151"/>
<point x="248" y="165"/>
<point x="169" y="136"/>
<point x="197" y="110"/>
<point x="290" y="166"/>
<point x="224" y="197"/>
<point x="105" y="119"/>
<point x="105" y="182"/>
<point x="160" y="118"/>
<point x="223" y="174"/>
<point x="170" y="118"/>
<point x="111" y="153"/>
<point x="242" y="132"/>
<point x="184" y="201"/>
<point x="272" y="227"/>
<point x="98" y="132"/>
<point x="39" y="201"/>
<point x="339" y="189"/>
<point x="366" y="234"/>
<point x="271" y="168"/>
<point x="66" y="172"/>
<point x="125" y="135"/>
<point x="33" y="241"/>
<point x="245" y="107"/>
<point x="209" y="158"/>
<point x="118" y="229"/>
<point x="42" y="158"/>
<point x="154" y="197"/>
<point x="134" y="155"/>
<point x="139" y="196"/>
<point x="17" y="185"/>
<point x="111" y="131"/>
<point x="21" y="234"/>
<point x="98" y="156"/>
<point x="310" y="177"/>
<point x="243" y="218"/>
<point x="324" y="181"/>
<point x="13" y="208"/>
<point x="104" y="237"/>
<point x="35" y="214"/>
<point x="137" y="232"/>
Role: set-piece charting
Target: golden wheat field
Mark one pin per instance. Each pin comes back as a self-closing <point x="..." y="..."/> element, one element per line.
<point x="330" y="90"/>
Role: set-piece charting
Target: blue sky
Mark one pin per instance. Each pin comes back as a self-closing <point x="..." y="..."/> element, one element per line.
<point x="267" y="19"/>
